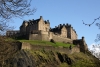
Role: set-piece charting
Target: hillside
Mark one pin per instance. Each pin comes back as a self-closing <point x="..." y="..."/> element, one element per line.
<point x="11" y="55"/>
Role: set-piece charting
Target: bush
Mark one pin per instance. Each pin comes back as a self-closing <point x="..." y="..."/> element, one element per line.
<point x="52" y="41"/>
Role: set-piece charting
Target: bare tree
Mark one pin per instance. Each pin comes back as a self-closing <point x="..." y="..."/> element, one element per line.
<point x="97" y="24"/>
<point x="92" y="22"/>
<point x="13" y="8"/>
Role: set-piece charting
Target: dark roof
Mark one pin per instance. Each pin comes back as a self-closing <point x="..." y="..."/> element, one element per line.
<point x="56" y="29"/>
<point x="36" y="21"/>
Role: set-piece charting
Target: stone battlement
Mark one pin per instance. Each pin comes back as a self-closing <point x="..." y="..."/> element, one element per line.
<point x="40" y="29"/>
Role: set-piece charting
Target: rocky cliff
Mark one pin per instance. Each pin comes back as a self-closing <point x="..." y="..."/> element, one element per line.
<point x="11" y="55"/>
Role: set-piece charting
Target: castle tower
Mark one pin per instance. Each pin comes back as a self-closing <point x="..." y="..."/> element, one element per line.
<point x="68" y="27"/>
<point x="71" y="33"/>
<point x="47" y="25"/>
<point x="83" y="45"/>
<point x="23" y="27"/>
<point x="41" y="24"/>
<point x="64" y="32"/>
<point x="41" y="17"/>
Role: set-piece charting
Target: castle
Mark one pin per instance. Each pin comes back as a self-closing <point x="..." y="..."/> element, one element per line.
<point x="40" y="30"/>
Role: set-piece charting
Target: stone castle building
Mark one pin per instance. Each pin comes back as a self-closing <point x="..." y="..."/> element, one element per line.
<point x="39" y="29"/>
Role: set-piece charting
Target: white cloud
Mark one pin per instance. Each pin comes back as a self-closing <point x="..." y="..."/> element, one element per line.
<point x="96" y="50"/>
<point x="90" y="47"/>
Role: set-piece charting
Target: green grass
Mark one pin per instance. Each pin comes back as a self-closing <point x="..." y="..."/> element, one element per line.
<point x="45" y="43"/>
<point x="83" y="60"/>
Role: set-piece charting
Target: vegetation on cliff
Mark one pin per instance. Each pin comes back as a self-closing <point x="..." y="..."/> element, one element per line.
<point x="44" y="43"/>
<point x="11" y="55"/>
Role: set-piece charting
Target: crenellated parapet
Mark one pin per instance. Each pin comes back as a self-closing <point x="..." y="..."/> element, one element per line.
<point x="13" y="33"/>
<point x="71" y="33"/>
<point x="39" y="29"/>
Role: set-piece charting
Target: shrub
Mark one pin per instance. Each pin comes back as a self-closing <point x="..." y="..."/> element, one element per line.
<point x="52" y="41"/>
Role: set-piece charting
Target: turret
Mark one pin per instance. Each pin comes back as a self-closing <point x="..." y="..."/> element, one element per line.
<point x="69" y="25"/>
<point x="25" y="23"/>
<point x="63" y="24"/>
<point x="48" y="22"/>
<point x="82" y="38"/>
<point x="41" y="17"/>
<point x="84" y="45"/>
<point x="60" y="25"/>
<point x="66" y="24"/>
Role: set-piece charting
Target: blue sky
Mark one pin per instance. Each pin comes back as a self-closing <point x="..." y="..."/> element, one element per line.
<point x="67" y="11"/>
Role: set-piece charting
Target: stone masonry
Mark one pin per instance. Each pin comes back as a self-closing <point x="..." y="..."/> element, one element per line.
<point x="40" y="29"/>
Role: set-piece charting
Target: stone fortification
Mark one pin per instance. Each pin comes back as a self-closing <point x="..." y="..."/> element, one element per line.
<point x="50" y="48"/>
<point x="81" y="43"/>
<point x="39" y="29"/>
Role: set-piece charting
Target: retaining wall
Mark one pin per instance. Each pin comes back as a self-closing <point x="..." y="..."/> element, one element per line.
<point x="50" y="48"/>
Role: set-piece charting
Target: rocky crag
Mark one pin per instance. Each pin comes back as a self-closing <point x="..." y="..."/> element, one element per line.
<point x="11" y="55"/>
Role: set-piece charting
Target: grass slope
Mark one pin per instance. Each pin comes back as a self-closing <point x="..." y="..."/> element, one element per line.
<point x="11" y="56"/>
<point x="77" y="59"/>
<point x="45" y="43"/>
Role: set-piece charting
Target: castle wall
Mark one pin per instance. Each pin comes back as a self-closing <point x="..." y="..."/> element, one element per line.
<point x="35" y="37"/>
<point x="68" y="32"/>
<point x="14" y="33"/>
<point x="43" y="32"/>
<point x="41" y="25"/>
<point x="39" y="35"/>
<point x="82" y="44"/>
<point x="23" y="28"/>
<point x="50" y="35"/>
<point x="73" y="34"/>
<point x="50" y="48"/>
<point x="61" y="39"/>
<point x="45" y="37"/>
<point x="34" y="27"/>
<point x="26" y="45"/>
<point x="47" y="27"/>
<point x="64" y="32"/>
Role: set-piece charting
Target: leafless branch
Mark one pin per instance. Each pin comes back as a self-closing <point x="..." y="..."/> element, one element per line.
<point x="97" y="24"/>
<point x="13" y="8"/>
<point x="92" y="22"/>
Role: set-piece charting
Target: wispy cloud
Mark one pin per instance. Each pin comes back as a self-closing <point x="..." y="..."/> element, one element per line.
<point x="96" y="49"/>
<point x="90" y="47"/>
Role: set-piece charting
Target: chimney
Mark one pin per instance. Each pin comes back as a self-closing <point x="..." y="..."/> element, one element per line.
<point x="60" y="25"/>
<point x="67" y="24"/>
<point x="82" y="38"/>
<point x="63" y="24"/>
<point x="48" y="22"/>
<point x="40" y="17"/>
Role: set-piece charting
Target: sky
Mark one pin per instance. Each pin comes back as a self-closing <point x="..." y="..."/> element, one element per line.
<point x="67" y="11"/>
